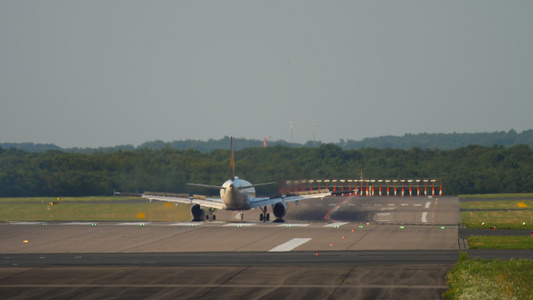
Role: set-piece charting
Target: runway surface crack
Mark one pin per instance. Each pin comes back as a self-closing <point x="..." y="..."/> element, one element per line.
<point x="362" y="237"/>
<point x="343" y="281"/>
<point x="224" y="282"/>
<point x="159" y="240"/>
<point x="255" y="241"/>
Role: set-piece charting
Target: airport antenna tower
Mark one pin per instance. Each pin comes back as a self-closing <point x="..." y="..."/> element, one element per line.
<point x="265" y="140"/>
<point x="292" y="129"/>
<point x="314" y="131"/>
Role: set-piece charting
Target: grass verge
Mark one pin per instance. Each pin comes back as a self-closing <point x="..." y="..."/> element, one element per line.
<point x="490" y="279"/>
<point x="514" y="219"/>
<point x="500" y="242"/>
<point x="96" y="209"/>
<point x="498" y="204"/>
<point x="496" y="196"/>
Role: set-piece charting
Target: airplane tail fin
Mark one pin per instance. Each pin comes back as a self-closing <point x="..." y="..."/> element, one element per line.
<point x="232" y="161"/>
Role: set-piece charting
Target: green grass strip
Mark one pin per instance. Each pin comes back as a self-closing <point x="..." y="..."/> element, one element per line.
<point x="498" y="204"/>
<point x="80" y="211"/>
<point x="495" y="196"/>
<point x="490" y="279"/>
<point x="501" y="242"/>
<point x="513" y="219"/>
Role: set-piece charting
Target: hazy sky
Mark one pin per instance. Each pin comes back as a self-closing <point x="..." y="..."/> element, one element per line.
<point x="105" y="73"/>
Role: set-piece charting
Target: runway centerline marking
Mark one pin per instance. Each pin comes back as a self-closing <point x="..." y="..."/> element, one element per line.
<point x="25" y="223"/>
<point x="383" y="217"/>
<point x="185" y="224"/>
<point x="418" y="204"/>
<point x="428" y="204"/>
<point x="336" y="224"/>
<point x="424" y="217"/>
<point x="239" y="224"/>
<point x="293" y="225"/>
<point x="288" y="246"/>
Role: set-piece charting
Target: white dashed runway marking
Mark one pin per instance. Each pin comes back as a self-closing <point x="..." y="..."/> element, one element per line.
<point x="336" y="224"/>
<point x="26" y="223"/>
<point x="186" y="224"/>
<point x="239" y="224"/>
<point x="424" y="217"/>
<point x="288" y="246"/>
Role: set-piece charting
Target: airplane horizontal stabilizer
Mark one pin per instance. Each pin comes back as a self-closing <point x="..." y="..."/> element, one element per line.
<point x="257" y="184"/>
<point x="260" y="202"/>
<point x="217" y="187"/>
<point x="185" y="199"/>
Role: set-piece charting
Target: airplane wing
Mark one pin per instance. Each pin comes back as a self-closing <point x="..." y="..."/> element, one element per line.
<point x="260" y="202"/>
<point x="185" y="198"/>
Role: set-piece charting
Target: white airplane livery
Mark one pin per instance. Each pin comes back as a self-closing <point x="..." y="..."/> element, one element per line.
<point x="235" y="194"/>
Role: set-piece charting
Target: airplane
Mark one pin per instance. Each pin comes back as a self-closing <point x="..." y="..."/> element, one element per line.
<point x="236" y="195"/>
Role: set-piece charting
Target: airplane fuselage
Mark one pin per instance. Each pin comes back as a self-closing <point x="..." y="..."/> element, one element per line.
<point x="234" y="197"/>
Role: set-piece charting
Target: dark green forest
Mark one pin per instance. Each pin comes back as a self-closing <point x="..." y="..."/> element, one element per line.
<point x="465" y="170"/>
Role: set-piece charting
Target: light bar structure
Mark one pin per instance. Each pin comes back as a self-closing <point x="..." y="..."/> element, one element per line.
<point x="368" y="187"/>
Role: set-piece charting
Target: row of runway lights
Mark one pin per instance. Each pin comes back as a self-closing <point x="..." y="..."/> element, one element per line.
<point x="368" y="190"/>
<point x="289" y="226"/>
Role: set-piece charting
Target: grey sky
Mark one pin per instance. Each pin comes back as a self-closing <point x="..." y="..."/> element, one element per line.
<point x="104" y="73"/>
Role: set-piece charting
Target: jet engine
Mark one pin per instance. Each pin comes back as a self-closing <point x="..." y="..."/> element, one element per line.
<point x="197" y="213"/>
<point x="279" y="210"/>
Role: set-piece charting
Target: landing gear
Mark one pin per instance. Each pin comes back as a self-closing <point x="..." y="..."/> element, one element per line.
<point x="202" y="214"/>
<point x="264" y="216"/>
<point x="211" y="214"/>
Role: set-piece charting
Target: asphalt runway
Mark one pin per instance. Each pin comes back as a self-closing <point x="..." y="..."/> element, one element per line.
<point x="336" y="248"/>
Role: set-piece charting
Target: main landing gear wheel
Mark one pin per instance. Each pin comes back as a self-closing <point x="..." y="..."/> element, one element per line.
<point x="211" y="214"/>
<point x="264" y="216"/>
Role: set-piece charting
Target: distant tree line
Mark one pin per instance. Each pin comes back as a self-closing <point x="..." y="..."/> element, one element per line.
<point x="442" y="141"/>
<point x="466" y="170"/>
